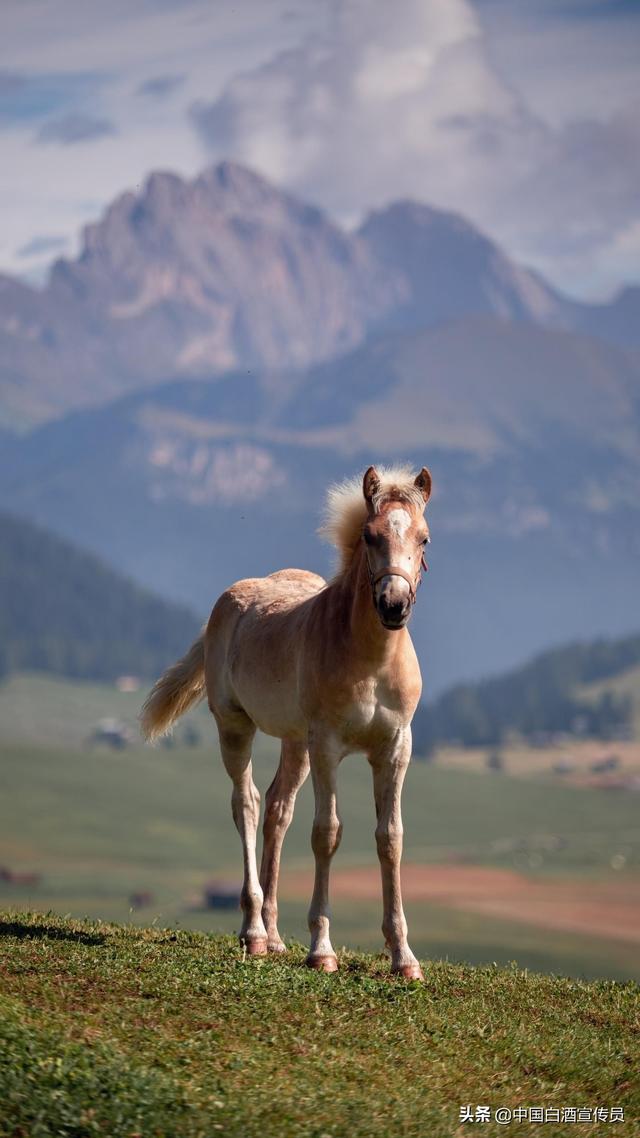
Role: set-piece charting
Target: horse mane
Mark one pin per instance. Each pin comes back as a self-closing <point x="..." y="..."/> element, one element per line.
<point x="345" y="509"/>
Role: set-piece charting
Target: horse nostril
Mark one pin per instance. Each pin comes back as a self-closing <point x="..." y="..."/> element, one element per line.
<point x="393" y="611"/>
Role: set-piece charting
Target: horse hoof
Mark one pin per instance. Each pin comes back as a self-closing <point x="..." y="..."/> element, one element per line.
<point x="257" y="946"/>
<point x="322" y="963"/>
<point x="409" y="972"/>
<point x="276" y="946"/>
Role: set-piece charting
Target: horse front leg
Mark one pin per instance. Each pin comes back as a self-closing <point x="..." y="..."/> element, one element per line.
<point x="389" y="768"/>
<point x="279" y="803"/>
<point x="325" y="839"/>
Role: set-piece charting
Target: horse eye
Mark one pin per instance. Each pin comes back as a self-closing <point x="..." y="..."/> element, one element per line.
<point x="368" y="537"/>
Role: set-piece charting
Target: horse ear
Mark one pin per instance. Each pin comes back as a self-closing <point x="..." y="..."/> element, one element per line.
<point x="370" y="483"/>
<point x="423" y="482"/>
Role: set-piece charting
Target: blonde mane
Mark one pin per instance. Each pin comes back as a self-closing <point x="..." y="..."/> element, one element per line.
<point x="346" y="510"/>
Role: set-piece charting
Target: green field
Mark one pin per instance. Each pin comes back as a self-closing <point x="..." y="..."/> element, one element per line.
<point x="133" y="1033"/>
<point x="41" y="709"/>
<point x="99" y="825"/>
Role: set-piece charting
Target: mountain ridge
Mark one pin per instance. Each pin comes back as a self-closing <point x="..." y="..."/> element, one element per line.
<point x="195" y="484"/>
<point x="227" y="271"/>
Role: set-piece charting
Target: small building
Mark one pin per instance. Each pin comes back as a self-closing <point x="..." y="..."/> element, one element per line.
<point x="221" y="895"/>
<point x="111" y="733"/>
<point x="128" y="683"/>
<point x="141" y="899"/>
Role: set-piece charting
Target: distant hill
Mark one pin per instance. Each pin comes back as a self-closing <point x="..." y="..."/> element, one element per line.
<point x="63" y="611"/>
<point x="561" y="690"/>
<point x="533" y="436"/>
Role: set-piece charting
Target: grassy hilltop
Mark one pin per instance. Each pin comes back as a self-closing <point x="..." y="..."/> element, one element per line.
<point x="110" y="1030"/>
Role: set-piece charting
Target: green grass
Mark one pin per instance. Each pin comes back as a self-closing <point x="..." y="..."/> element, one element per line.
<point x="168" y="810"/>
<point x="117" y="1031"/>
<point x="45" y="710"/>
<point x="100" y="825"/>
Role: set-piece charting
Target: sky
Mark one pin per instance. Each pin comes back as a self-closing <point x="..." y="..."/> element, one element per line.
<point x="522" y="116"/>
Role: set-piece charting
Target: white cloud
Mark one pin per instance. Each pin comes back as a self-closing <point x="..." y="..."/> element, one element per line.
<point x="404" y="100"/>
<point x="574" y="59"/>
<point x="573" y="211"/>
<point x="388" y="103"/>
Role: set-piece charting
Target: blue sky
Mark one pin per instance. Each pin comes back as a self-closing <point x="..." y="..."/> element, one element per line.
<point x="522" y="116"/>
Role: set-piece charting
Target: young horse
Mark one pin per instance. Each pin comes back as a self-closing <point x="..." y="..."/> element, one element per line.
<point x="329" y="669"/>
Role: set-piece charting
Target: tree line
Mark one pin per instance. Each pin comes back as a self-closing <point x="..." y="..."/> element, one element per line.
<point x="64" y="611"/>
<point x="541" y="697"/>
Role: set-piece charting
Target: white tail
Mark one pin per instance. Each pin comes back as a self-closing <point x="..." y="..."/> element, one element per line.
<point x="175" y="692"/>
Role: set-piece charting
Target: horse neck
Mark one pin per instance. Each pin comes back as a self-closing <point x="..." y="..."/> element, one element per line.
<point x="367" y="636"/>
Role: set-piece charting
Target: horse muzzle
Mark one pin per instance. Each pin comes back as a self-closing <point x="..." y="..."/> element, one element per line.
<point x="393" y="605"/>
<point x="394" y="613"/>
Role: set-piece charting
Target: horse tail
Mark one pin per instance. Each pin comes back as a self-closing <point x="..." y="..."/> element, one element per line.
<point x="175" y="692"/>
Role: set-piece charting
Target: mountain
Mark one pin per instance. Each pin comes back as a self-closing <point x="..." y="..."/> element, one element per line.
<point x="69" y="614"/>
<point x="452" y="270"/>
<point x="479" y="385"/>
<point x="228" y="272"/>
<point x="531" y="434"/>
<point x="548" y="694"/>
<point x="187" y="278"/>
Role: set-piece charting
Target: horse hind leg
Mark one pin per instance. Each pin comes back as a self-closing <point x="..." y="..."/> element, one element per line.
<point x="279" y="805"/>
<point x="235" y="744"/>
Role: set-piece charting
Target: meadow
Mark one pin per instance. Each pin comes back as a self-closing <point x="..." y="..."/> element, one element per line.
<point x="100" y="825"/>
<point x="131" y="1032"/>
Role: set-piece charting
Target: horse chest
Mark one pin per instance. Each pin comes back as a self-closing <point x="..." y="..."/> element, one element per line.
<point x="374" y="711"/>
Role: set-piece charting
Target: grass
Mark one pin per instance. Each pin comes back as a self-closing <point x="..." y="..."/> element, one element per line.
<point x="109" y="1030"/>
<point x="169" y="810"/>
<point x="100" y="825"/>
<point x="435" y="932"/>
<point x="38" y="709"/>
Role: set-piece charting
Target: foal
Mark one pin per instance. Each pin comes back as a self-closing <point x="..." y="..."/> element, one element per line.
<point x="329" y="669"/>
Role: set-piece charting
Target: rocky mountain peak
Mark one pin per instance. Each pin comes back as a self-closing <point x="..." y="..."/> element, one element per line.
<point x="452" y="269"/>
<point x="194" y="277"/>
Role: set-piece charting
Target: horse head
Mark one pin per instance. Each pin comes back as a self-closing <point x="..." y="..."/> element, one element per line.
<point x="395" y="535"/>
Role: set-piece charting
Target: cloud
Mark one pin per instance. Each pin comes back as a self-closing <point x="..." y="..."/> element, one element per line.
<point x="159" y="86"/>
<point x="580" y="196"/>
<point x="75" y="128"/>
<point x="26" y="98"/>
<point x="568" y="58"/>
<point x="10" y="83"/>
<point x="41" y="245"/>
<point x="404" y="100"/>
<point x="384" y="105"/>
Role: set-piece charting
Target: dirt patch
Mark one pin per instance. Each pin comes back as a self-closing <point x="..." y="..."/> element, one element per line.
<point x="608" y="909"/>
